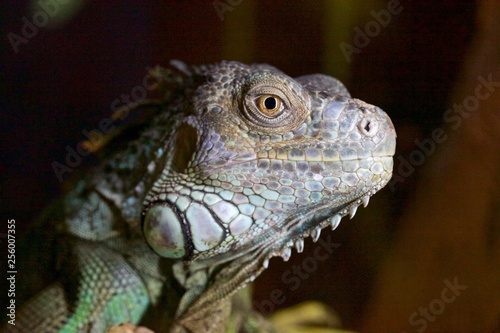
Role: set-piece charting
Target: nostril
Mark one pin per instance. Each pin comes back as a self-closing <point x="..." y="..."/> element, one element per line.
<point x="368" y="127"/>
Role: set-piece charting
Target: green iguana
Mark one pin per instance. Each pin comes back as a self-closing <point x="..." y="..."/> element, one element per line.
<point x="238" y="164"/>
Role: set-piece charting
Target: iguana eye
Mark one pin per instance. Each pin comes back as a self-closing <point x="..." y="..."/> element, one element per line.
<point x="271" y="101"/>
<point x="269" y="105"/>
<point x="266" y="106"/>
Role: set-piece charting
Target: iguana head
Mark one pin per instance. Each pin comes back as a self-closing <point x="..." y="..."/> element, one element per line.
<point x="261" y="160"/>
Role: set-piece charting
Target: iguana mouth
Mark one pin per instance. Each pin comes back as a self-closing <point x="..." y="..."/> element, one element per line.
<point x="310" y="224"/>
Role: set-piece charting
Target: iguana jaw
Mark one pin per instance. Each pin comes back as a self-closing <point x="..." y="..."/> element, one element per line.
<point x="310" y="224"/>
<point x="290" y="231"/>
<point x="226" y="273"/>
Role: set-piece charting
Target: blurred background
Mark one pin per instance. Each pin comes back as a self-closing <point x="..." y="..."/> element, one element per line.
<point x="423" y="256"/>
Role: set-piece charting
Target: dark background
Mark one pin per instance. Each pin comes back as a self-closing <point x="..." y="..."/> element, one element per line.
<point x="65" y="78"/>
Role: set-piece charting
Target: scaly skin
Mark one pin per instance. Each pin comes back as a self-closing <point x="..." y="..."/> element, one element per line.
<point x="239" y="164"/>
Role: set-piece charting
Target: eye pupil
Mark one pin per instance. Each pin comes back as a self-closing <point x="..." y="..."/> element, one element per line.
<point x="270" y="103"/>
